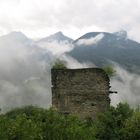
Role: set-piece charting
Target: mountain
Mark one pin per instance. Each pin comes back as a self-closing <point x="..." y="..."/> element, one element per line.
<point x="15" y="37"/>
<point x="17" y="42"/>
<point x="59" y="37"/>
<point x="101" y="48"/>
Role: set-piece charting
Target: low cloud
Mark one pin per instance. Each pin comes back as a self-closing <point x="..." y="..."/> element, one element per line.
<point x="56" y="48"/>
<point x="127" y="85"/>
<point x="90" y="41"/>
<point x="24" y="74"/>
<point x="74" y="64"/>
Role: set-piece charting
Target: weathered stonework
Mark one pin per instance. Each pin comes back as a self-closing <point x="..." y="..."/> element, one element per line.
<point x="83" y="92"/>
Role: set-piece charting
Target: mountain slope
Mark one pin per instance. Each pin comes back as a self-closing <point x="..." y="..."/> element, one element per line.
<point x="101" y="48"/>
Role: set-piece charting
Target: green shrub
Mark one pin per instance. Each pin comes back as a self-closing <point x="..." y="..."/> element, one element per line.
<point x="109" y="70"/>
<point x="131" y="130"/>
<point x="109" y="124"/>
<point x="34" y="123"/>
<point x="29" y="123"/>
<point x="59" y="65"/>
<point x="20" y="128"/>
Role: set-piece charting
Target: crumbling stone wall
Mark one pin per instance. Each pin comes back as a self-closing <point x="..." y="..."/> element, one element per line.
<point x="83" y="92"/>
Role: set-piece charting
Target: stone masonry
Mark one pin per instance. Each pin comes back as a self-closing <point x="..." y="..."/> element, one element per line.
<point x="82" y="92"/>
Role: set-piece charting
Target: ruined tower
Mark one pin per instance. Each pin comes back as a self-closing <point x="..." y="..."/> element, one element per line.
<point x="83" y="92"/>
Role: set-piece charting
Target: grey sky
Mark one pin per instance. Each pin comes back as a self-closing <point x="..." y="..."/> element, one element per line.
<point x="39" y="18"/>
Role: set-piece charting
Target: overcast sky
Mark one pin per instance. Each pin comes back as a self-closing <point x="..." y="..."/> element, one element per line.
<point x="39" y="18"/>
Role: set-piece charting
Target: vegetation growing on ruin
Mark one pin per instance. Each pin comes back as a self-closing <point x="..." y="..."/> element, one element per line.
<point x="59" y="64"/>
<point x="109" y="70"/>
<point x="33" y="123"/>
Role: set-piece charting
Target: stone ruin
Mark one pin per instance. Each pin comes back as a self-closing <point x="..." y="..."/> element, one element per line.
<point x="82" y="92"/>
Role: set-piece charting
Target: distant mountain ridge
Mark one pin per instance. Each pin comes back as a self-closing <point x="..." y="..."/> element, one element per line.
<point x="114" y="47"/>
<point x="120" y="35"/>
<point x="59" y="37"/>
<point x="16" y="36"/>
<point x="99" y="48"/>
